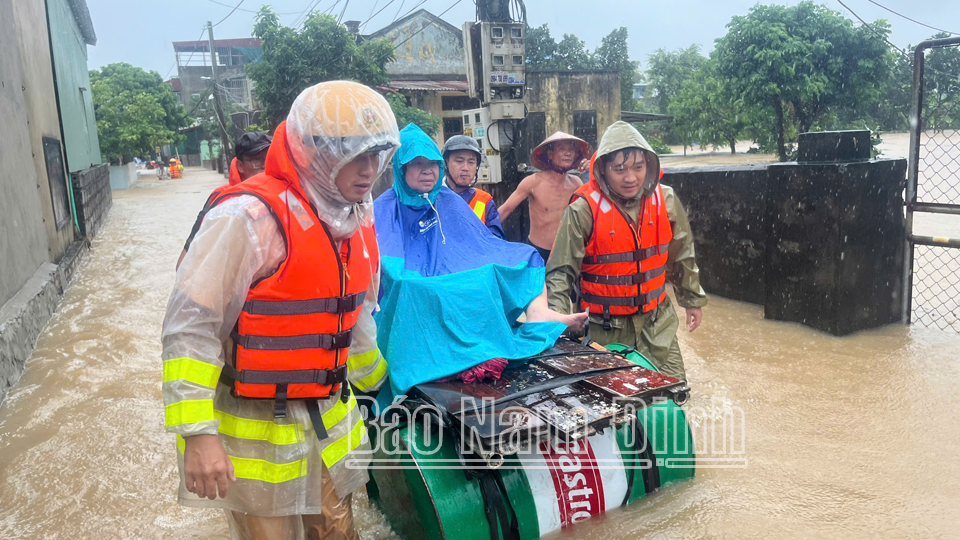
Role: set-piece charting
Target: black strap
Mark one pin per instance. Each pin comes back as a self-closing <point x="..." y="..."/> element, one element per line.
<point x="280" y="402"/>
<point x="495" y="501"/>
<point x="627" y="256"/>
<point x="342" y="304"/>
<point x="338" y="375"/>
<point x="332" y="342"/>
<point x="313" y="408"/>
<point x="629" y="279"/>
<point x="631" y="301"/>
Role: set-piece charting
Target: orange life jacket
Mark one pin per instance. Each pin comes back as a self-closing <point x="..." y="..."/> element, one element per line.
<point x="624" y="270"/>
<point x="479" y="203"/>
<point x="295" y="328"/>
<point x="234" y="178"/>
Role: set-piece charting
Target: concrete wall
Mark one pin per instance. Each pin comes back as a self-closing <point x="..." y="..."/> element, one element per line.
<point x="73" y="88"/>
<point x="123" y="176"/>
<point x="437" y="49"/>
<point x="727" y="208"/>
<point x="818" y="244"/>
<point x="94" y="198"/>
<point x="40" y="99"/>
<point x="22" y="251"/>
<point x="558" y="94"/>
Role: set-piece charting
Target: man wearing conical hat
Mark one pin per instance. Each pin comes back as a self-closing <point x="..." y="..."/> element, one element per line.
<point x="550" y="189"/>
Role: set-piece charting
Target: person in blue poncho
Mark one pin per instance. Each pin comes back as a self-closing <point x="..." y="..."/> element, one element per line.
<point x="451" y="291"/>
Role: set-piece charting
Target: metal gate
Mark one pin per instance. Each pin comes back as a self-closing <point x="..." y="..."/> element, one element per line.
<point x="932" y="269"/>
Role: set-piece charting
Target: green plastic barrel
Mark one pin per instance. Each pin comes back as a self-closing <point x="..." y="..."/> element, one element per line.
<point x="422" y="500"/>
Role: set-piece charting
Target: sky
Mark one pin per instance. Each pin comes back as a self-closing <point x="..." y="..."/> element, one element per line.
<point x="141" y="32"/>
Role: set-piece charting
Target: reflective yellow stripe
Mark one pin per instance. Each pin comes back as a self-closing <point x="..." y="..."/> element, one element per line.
<point x="370" y="381"/>
<point x="336" y="450"/>
<point x="339" y="412"/>
<point x="480" y="209"/>
<point x="258" y="469"/>
<point x="259" y="430"/>
<point x="189" y="412"/>
<point x="273" y="473"/>
<point x="188" y="369"/>
<point x="360" y="361"/>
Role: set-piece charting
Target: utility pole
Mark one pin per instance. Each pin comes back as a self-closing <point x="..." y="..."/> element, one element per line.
<point x="224" y="141"/>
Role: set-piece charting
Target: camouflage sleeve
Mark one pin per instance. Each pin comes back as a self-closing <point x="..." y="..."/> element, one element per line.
<point x="563" y="268"/>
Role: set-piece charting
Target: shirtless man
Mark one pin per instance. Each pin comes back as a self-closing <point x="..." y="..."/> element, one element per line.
<point x="549" y="191"/>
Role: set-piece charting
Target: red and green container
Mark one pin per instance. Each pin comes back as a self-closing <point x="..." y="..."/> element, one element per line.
<point x="553" y="486"/>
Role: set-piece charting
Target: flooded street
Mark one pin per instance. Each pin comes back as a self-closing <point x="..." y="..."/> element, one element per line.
<point x="849" y="437"/>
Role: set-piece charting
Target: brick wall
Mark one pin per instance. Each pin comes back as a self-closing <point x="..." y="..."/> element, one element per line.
<point x="93" y="197"/>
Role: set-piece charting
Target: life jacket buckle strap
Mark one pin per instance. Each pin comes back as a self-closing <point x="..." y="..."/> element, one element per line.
<point x="280" y="402"/>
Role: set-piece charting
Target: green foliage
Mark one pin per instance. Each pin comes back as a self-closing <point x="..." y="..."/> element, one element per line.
<point x="941" y="87"/>
<point x="204" y="113"/>
<point x="322" y="50"/>
<point x="409" y="115"/>
<point x="614" y="53"/>
<point x="666" y="72"/>
<point x="708" y="111"/>
<point x="543" y="52"/>
<point x="656" y="142"/>
<point x="136" y="112"/>
<point x="807" y="58"/>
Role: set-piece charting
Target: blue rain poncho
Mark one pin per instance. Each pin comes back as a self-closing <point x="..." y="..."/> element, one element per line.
<point x="451" y="290"/>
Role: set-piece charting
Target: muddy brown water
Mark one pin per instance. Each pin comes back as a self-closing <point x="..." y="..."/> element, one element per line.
<point x="851" y="437"/>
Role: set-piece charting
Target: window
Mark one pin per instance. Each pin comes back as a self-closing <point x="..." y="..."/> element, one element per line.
<point x="228" y="56"/>
<point x="516" y="33"/>
<point x="476" y="118"/>
<point x="466" y="119"/>
<point x="458" y="103"/>
<point x="497" y="32"/>
<point x="517" y="60"/>
<point x="585" y="126"/>
<point x="498" y="59"/>
<point x="451" y="127"/>
<point x="53" y="156"/>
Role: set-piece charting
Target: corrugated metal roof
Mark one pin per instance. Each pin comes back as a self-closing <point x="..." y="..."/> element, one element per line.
<point x="435" y="86"/>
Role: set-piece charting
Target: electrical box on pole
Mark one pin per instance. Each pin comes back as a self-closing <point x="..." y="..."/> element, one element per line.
<point x="496" y="74"/>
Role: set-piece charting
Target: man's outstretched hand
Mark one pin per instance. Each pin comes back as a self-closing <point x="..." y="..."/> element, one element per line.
<point x="206" y="466"/>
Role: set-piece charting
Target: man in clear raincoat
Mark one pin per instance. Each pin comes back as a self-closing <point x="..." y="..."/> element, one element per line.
<point x="283" y="474"/>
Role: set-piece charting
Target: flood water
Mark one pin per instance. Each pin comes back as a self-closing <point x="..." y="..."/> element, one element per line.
<point x="851" y="437"/>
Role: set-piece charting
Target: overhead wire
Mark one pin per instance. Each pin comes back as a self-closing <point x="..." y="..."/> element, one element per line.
<point x="344" y="10"/>
<point x="364" y="26"/>
<point x="414" y="8"/>
<point x="903" y="52"/>
<point x="379" y="12"/>
<point x="912" y="20"/>
<point x="234" y="10"/>
<point x="395" y="47"/>
<point x="250" y="10"/>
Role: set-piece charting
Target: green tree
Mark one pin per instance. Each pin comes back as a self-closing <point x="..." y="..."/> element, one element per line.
<point x="806" y="57"/>
<point x="410" y="115"/>
<point x="941" y="87"/>
<point x="707" y="110"/>
<point x="136" y="111"/>
<point x="540" y="47"/>
<point x="666" y="72"/>
<point x="202" y="109"/>
<point x="614" y="53"/>
<point x="322" y="50"/>
<point x="543" y="52"/>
